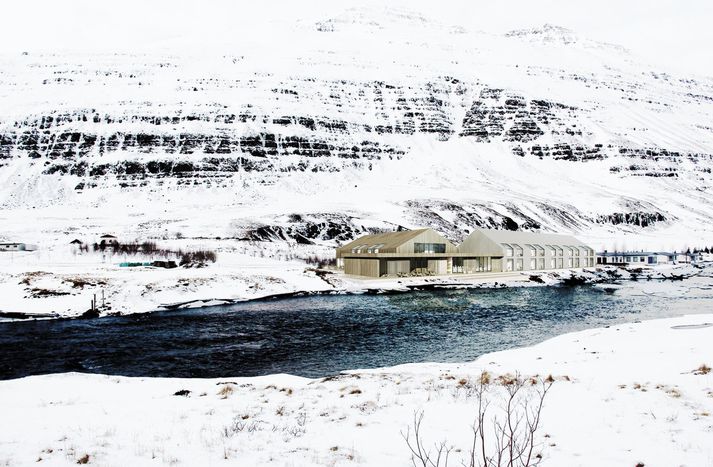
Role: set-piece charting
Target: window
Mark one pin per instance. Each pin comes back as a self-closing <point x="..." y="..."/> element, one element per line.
<point x="541" y="263"/>
<point x="357" y="249"/>
<point x="560" y="251"/>
<point x="569" y="262"/>
<point x="518" y="250"/>
<point x="533" y="250"/>
<point x="457" y="265"/>
<point x="559" y="263"/>
<point x="429" y="247"/>
<point x="480" y="264"/>
<point x="533" y="263"/>
<point x="508" y="249"/>
<point x="576" y="262"/>
<point x="374" y="248"/>
<point x="518" y="265"/>
<point x="553" y="263"/>
<point x="540" y="250"/>
<point x="553" y="250"/>
<point x="509" y="265"/>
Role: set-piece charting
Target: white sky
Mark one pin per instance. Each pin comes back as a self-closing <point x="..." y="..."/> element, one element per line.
<point x="675" y="34"/>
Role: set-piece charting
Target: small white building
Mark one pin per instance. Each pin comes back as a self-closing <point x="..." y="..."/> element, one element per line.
<point x="643" y="258"/>
<point x="17" y="246"/>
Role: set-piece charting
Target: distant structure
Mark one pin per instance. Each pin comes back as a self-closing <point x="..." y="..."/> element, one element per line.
<point x="644" y="258"/>
<point x="13" y="246"/>
<point x="107" y="239"/>
<point x="424" y="252"/>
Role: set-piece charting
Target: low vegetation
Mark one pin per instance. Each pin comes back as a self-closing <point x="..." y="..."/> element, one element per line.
<point x="503" y="435"/>
<point x="196" y="258"/>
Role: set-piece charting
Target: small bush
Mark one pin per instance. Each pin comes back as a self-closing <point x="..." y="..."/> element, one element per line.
<point x="83" y="460"/>
<point x="197" y="258"/>
<point x="226" y="391"/>
<point x="702" y="370"/>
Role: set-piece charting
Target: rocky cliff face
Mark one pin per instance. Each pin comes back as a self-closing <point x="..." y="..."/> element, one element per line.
<point x="388" y="118"/>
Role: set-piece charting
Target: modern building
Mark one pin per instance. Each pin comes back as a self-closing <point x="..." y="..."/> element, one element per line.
<point x="14" y="246"/>
<point x="527" y="251"/>
<point x="645" y="258"/>
<point x="426" y="252"/>
<point x="407" y="252"/>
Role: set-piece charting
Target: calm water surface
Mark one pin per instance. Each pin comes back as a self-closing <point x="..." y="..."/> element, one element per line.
<point x="320" y="335"/>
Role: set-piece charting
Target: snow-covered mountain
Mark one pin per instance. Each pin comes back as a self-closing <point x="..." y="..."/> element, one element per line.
<point x="369" y="119"/>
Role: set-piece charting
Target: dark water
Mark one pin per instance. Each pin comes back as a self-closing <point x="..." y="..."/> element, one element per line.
<point x="315" y="336"/>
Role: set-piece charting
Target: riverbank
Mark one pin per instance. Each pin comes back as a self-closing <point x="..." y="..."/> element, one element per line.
<point x="63" y="283"/>
<point x="622" y="395"/>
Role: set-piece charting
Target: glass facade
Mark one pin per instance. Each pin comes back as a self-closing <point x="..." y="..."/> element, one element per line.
<point x="509" y="265"/>
<point x="429" y="247"/>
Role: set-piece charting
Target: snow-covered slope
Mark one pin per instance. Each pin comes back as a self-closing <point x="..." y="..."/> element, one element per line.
<point x="371" y="118"/>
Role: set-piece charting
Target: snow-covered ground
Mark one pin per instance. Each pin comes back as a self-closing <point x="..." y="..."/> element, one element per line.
<point x="629" y="394"/>
<point x="61" y="280"/>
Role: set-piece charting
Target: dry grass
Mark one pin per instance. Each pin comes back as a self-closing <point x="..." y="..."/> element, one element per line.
<point x="226" y="391"/>
<point x="485" y="378"/>
<point x="506" y="379"/>
<point x="702" y="370"/>
<point x="83" y="460"/>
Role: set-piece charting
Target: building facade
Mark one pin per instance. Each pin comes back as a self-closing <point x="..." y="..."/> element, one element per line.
<point x="12" y="246"/>
<point x="528" y="251"/>
<point x="645" y="258"/>
<point x="426" y="252"/>
<point x="408" y="252"/>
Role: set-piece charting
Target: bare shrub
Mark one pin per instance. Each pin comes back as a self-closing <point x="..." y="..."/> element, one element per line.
<point x="84" y="459"/>
<point x="320" y="262"/>
<point x="197" y="258"/>
<point x="702" y="370"/>
<point x="150" y="248"/>
<point x="505" y="435"/>
<point x="421" y="455"/>
<point x="239" y="425"/>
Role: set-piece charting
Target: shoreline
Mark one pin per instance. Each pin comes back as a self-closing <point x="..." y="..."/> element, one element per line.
<point x="321" y="282"/>
<point x="362" y="411"/>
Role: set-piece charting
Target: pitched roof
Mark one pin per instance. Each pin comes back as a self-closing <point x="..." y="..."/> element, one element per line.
<point x="388" y="239"/>
<point x="522" y="238"/>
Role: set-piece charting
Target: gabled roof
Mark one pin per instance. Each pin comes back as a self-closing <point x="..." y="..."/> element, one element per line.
<point x="388" y="239"/>
<point x="529" y="238"/>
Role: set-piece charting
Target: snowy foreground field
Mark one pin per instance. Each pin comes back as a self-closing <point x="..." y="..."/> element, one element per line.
<point x="630" y="394"/>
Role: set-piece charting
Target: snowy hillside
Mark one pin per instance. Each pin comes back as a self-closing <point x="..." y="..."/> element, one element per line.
<point x="367" y="119"/>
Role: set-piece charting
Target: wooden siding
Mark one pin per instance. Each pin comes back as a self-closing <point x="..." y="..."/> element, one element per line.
<point x="361" y="267"/>
<point x="438" y="266"/>
<point x="396" y="266"/>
